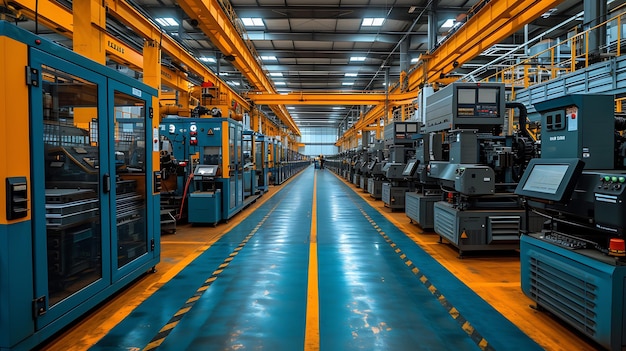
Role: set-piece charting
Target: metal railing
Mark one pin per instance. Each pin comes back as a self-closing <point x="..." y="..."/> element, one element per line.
<point x="561" y="57"/>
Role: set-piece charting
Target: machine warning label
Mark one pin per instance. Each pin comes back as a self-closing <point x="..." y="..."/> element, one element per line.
<point x="210" y="132"/>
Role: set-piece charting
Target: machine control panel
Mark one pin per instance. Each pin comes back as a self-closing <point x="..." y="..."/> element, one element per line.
<point x="609" y="200"/>
<point x="611" y="182"/>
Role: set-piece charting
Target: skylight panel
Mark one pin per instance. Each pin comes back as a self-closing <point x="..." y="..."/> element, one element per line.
<point x="253" y="22"/>
<point x="372" y="22"/>
<point x="166" y="21"/>
<point x="449" y="23"/>
<point x="357" y="58"/>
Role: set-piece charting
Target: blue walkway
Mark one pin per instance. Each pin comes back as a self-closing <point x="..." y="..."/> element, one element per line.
<point x="377" y="289"/>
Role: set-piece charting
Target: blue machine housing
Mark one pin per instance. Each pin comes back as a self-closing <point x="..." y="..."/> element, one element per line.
<point x="585" y="290"/>
<point x="85" y="221"/>
<point x="208" y="141"/>
<point x="569" y="267"/>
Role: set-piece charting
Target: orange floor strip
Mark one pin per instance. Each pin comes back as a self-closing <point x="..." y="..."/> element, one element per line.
<point x="312" y="333"/>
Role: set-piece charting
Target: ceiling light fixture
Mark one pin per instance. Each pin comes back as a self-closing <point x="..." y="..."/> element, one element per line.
<point x="357" y="58"/>
<point x="351" y="74"/>
<point x="253" y="22"/>
<point x="166" y="21"/>
<point x="549" y="13"/>
<point x="449" y="23"/>
<point x="372" y="22"/>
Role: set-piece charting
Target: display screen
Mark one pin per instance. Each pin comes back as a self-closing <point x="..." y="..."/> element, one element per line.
<point x="550" y="179"/>
<point x="411" y="128"/>
<point x="487" y="96"/>
<point x="466" y="96"/>
<point x="478" y="102"/>
<point x="545" y="178"/>
<point x="408" y="170"/>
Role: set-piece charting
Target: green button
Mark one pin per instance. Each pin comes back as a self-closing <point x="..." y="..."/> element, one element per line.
<point x="607" y="178"/>
<point x="621" y="179"/>
<point x="614" y="179"/>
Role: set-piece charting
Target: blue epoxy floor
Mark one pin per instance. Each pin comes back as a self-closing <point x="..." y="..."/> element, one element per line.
<point x="377" y="289"/>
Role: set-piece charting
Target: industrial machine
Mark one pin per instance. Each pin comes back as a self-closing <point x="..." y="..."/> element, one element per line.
<point x="250" y="177"/>
<point x="480" y="167"/>
<point x="419" y="204"/>
<point x="261" y="159"/>
<point x="575" y="266"/>
<point x="200" y="142"/>
<point x="81" y="215"/>
<point x="375" y="170"/>
<point x="398" y="142"/>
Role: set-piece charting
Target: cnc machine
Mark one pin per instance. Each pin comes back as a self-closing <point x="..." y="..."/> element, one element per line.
<point x="575" y="266"/>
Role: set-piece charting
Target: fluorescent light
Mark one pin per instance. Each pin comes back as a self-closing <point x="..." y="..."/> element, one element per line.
<point x="372" y="22"/>
<point x="338" y="108"/>
<point x="207" y="59"/>
<point x="235" y="83"/>
<point x="276" y="74"/>
<point x="223" y="73"/>
<point x="347" y="83"/>
<point x="166" y="21"/>
<point x="549" y="13"/>
<point x="415" y="59"/>
<point x="357" y="58"/>
<point x="269" y="58"/>
<point x="290" y="108"/>
<point x="351" y="74"/>
<point x="449" y="23"/>
<point x="280" y="83"/>
<point x="253" y="22"/>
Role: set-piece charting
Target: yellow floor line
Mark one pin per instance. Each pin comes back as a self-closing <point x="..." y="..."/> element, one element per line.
<point x="312" y="327"/>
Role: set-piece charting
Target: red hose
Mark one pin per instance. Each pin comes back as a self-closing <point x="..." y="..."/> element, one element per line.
<point x="182" y="203"/>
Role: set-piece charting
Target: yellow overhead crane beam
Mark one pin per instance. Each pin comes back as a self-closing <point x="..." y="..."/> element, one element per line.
<point x="52" y="15"/>
<point x="329" y="98"/>
<point x="495" y="21"/>
<point x="219" y="27"/>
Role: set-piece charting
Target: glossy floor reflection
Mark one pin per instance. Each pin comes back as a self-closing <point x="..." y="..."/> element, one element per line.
<point x="377" y="289"/>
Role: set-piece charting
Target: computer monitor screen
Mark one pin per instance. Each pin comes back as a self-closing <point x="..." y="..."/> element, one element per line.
<point x="545" y="178"/>
<point x="409" y="169"/>
<point x="550" y="179"/>
<point x="205" y="170"/>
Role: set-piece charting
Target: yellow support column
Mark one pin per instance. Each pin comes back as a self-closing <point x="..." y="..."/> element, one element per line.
<point x="90" y="29"/>
<point x="14" y="132"/>
<point x="152" y="77"/>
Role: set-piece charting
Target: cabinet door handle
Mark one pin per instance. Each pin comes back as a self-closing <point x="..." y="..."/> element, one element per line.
<point x="106" y="183"/>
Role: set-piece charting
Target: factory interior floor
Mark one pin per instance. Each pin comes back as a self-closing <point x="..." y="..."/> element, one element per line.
<point x="244" y="285"/>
